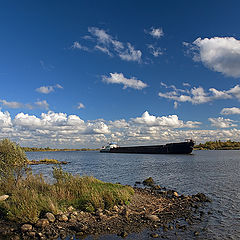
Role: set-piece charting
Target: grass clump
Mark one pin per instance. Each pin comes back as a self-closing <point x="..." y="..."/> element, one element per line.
<point x="89" y="193"/>
<point x="29" y="200"/>
<point x="31" y="197"/>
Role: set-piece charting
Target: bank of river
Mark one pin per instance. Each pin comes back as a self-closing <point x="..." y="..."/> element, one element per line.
<point x="163" y="212"/>
<point x="215" y="173"/>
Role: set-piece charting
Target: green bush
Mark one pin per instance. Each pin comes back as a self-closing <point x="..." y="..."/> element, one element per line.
<point x="13" y="164"/>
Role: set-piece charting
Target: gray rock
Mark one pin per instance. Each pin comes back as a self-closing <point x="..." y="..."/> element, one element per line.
<point x="175" y="194"/>
<point x="50" y="217"/>
<point x="123" y="234"/>
<point x="165" y="228"/>
<point x="84" y="228"/>
<point x="154" y="235"/>
<point x="4" y="197"/>
<point x="79" y="233"/>
<point x="15" y="237"/>
<point x="170" y="227"/>
<point x="200" y="197"/>
<point x="125" y="212"/>
<point x="149" y="182"/>
<point x="115" y="208"/>
<point x="99" y="212"/>
<point x="71" y="208"/>
<point x="63" y="234"/>
<point x="75" y="213"/>
<point x="62" y="218"/>
<point x="153" y="218"/>
<point x="196" y="233"/>
<point x="42" y="223"/>
<point x="157" y="187"/>
<point x="72" y="218"/>
<point x="26" y="227"/>
<point x="31" y="234"/>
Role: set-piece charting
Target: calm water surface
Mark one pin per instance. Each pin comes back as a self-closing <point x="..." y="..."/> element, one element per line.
<point x="215" y="173"/>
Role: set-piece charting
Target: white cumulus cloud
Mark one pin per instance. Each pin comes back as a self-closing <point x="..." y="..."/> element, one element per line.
<point x="155" y="51"/>
<point x="38" y="104"/>
<point x="80" y="105"/>
<point x="197" y="95"/>
<point x="42" y="104"/>
<point x="155" y="32"/>
<point x="5" y="119"/>
<point x="48" y="89"/>
<point x="230" y="111"/>
<point x="221" y="54"/>
<point x="62" y="130"/>
<point x="130" y="54"/>
<point x="221" y="122"/>
<point x="119" y="78"/>
<point x="164" y="121"/>
<point x="13" y="104"/>
<point x="45" y="89"/>
<point x="25" y="120"/>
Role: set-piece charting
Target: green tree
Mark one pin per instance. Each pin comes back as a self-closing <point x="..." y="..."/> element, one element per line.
<point x="13" y="163"/>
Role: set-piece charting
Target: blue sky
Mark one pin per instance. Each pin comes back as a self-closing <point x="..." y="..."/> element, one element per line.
<point x="83" y="73"/>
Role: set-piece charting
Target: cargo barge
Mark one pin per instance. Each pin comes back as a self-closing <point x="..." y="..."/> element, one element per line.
<point x="170" y="148"/>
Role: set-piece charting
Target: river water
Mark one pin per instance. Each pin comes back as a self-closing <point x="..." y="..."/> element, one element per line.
<point x="214" y="173"/>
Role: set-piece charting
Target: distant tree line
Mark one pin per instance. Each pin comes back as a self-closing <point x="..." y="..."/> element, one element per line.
<point x="46" y="149"/>
<point x="218" y="145"/>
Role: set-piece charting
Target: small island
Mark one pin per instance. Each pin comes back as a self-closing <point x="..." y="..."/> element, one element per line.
<point x="45" y="161"/>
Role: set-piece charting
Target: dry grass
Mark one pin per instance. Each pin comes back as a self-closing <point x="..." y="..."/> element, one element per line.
<point x="33" y="196"/>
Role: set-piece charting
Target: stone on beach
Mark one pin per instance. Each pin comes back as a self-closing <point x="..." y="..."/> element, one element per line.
<point x="151" y="217"/>
<point x="4" y="197"/>
<point x="175" y="194"/>
<point x="62" y="218"/>
<point x="154" y="235"/>
<point x="50" y="217"/>
<point x="149" y="181"/>
<point x="41" y="223"/>
<point x="26" y="227"/>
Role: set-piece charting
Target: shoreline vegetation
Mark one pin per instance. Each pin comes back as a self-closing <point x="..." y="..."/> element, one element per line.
<point x="77" y="206"/>
<point x="48" y="149"/>
<point x="218" y="145"/>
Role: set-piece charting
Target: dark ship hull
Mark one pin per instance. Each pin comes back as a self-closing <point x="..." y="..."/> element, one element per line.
<point x="170" y="148"/>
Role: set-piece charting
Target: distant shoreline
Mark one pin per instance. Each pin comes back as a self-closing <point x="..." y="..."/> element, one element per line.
<point x="225" y="149"/>
<point x="209" y="145"/>
<point x="218" y="145"/>
<point x="27" y="149"/>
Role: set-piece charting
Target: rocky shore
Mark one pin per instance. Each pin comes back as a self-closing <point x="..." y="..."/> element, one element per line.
<point x="152" y="207"/>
